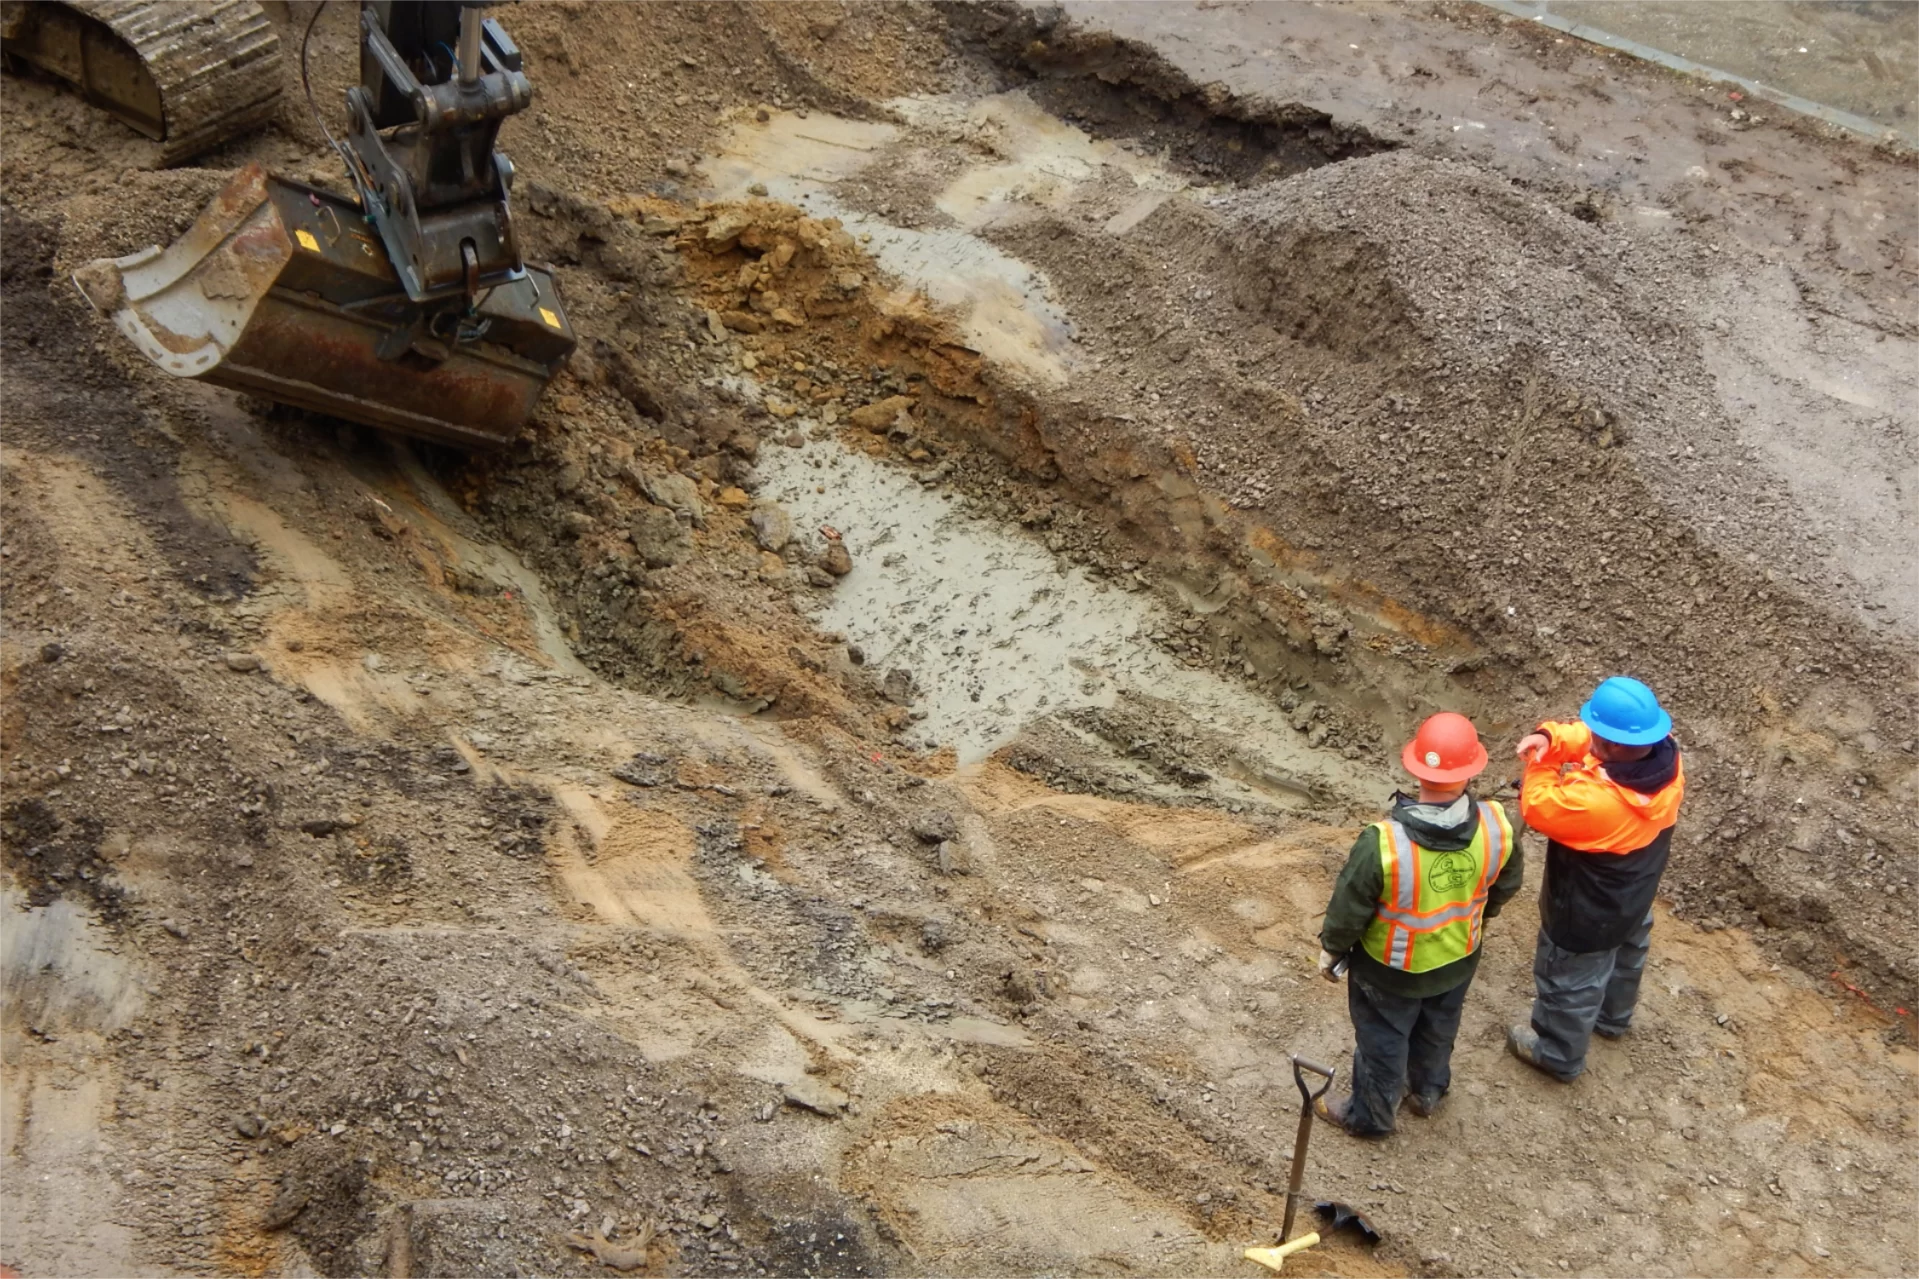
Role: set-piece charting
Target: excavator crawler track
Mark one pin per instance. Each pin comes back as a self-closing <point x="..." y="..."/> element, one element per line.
<point x="190" y="73"/>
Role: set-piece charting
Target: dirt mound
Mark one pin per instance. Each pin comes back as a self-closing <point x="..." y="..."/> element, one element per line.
<point x="1435" y="278"/>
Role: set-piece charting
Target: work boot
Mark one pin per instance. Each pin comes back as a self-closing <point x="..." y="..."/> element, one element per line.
<point x="1522" y="1043"/>
<point x="1338" y="1114"/>
<point x="1611" y="1032"/>
<point x="1425" y="1104"/>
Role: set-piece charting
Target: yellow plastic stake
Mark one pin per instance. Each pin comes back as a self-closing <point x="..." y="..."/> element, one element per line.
<point x="1274" y="1259"/>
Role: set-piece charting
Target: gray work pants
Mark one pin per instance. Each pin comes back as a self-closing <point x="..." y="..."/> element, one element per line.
<point x="1580" y="990"/>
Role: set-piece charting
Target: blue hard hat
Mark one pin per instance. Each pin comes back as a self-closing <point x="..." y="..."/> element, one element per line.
<point x="1625" y="711"/>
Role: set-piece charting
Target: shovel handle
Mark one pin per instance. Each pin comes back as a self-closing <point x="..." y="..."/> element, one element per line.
<point x="1302" y="1068"/>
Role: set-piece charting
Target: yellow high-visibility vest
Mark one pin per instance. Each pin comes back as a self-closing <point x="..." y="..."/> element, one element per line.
<point x="1432" y="903"/>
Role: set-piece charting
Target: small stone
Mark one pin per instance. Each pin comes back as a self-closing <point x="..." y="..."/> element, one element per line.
<point x="733" y="499"/>
<point x="575" y="523"/>
<point x="742" y="322"/>
<point x="880" y="415"/>
<point x="815" y="1095"/>
<point x="675" y="492"/>
<point x="762" y="114"/>
<point x="897" y="686"/>
<point x="758" y="188"/>
<point x="935" y="826"/>
<point x="659" y="537"/>
<point x="772" y="527"/>
<point x="51" y="653"/>
<point x="676" y="168"/>
<point x="838" y="560"/>
<point x="243" y="662"/>
<point x="250" y="1126"/>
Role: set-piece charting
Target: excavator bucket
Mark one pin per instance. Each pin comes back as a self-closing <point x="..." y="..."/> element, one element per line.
<point x="284" y="291"/>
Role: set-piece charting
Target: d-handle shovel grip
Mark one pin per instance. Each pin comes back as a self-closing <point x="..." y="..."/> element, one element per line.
<point x="1301" y="1068"/>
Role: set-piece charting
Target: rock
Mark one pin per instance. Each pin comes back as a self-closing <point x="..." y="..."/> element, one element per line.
<point x="933" y="937"/>
<point x="660" y="538"/>
<point x="645" y="769"/>
<point x="815" y="1095"/>
<point x="935" y="826"/>
<point x="897" y="686"/>
<point x="576" y="523"/>
<point x="250" y="1126"/>
<point x="733" y="499"/>
<point x="772" y="527"/>
<point x="243" y="662"/>
<point x="319" y="827"/>
<point x="838" y="560"/>
<point x="880" y="414"/>
<point x="758" y="188"/>
<point x="618" y="1256"/>
<point x="742" y="322"/>
<point x="677" y="169"/>
<point x="675" y="492"/>
<point x="819" y="577"/>
<point x="51" y="653"/>
<point x="725" y="228"/>
<point x="288" y="1204"/>
<point x="715" y="326"/>
<point x="630" y="380"/>
<point x="785" y="316"/>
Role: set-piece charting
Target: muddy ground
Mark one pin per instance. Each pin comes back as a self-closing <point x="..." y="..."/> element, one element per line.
<point x="573" y="858"/>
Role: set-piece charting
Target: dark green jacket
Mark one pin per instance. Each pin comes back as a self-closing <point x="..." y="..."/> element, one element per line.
<point x="1361" y="885"/>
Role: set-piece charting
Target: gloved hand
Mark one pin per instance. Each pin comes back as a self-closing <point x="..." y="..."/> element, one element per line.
<point x="1327" y="963"/>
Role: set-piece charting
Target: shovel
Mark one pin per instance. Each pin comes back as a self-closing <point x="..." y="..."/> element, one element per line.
<point x="1273" y="1258"/>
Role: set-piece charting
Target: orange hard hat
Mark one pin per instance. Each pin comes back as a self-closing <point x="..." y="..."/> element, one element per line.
<point x="1445" y="749"/>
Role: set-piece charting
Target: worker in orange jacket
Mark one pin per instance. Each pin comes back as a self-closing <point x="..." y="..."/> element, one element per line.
<point x="1605" y="793"/>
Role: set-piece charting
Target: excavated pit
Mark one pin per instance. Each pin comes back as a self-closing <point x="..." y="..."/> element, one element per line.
<point x="563" y="859"/>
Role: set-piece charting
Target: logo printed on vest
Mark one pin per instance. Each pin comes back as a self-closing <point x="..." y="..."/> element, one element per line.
<point x="1451" y="870"/>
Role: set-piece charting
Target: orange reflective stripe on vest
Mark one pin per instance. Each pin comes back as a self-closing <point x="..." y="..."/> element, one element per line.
<point x="1434" y="903"/>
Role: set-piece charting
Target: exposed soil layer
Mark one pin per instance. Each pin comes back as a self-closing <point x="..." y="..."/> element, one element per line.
<point x="531" y="863"/>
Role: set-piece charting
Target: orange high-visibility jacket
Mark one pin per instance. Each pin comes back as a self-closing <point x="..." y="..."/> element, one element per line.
<point x="1567" y="797"/>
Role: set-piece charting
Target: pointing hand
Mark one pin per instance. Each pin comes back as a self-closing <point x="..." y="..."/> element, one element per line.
<point x="1532" y="746"/>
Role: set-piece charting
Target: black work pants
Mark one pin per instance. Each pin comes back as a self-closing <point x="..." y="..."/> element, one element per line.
<point x="1399" y="1041"/>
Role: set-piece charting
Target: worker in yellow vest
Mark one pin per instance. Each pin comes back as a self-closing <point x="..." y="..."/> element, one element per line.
<point x="1406" y="917"/>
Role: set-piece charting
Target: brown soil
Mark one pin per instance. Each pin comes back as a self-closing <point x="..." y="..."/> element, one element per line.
<point x="419" y="864"/>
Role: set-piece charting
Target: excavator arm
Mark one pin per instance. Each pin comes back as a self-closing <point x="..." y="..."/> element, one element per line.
<point x="407" y="306"/>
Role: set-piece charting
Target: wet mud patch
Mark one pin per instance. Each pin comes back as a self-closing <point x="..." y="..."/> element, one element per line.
<point x="63" y="396"/>
<point x="1117" y="88"/>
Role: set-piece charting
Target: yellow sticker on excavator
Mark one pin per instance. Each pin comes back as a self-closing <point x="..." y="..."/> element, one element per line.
<point x="307" y="242"/>
<point x="552" y="320"/>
